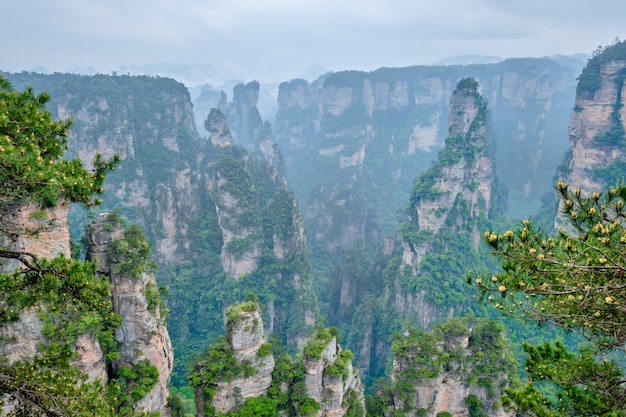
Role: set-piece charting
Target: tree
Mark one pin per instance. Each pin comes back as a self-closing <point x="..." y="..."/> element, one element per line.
<point x="32" y="169"/>
<point x="575" y="279"/>
<point x="67" y="296"/>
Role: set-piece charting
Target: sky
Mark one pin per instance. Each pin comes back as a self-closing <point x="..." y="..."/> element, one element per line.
<point x="276" y="40"/>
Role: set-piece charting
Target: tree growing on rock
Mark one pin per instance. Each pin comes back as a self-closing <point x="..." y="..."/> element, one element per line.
<point x="65" y="294"/>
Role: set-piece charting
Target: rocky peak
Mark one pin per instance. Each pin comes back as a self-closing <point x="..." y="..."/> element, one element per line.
<point x="121" y="256"/>
<point x="463" y="175"/>
<point x="248" y="358"/>
<point x="243" y="115"/>
<point x="598" y="123"/>
<point x="217" y="127"/>
<point x="455" y="369"/>
<point x="330" y="377"/>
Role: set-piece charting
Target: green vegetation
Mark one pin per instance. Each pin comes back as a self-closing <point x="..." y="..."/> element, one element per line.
<point x="420" y="356"/>
<point x="132" y="383"/>
<point x="287" y="394"/>
<point x="32" y="146"/>
<point x="315" y="347"/>
<point x="574" y="279"/>
<point x="589" y="79"/>
<point x="131" y="254"/>
<point x="65" y="294"/>
<point x="217" y="363"/>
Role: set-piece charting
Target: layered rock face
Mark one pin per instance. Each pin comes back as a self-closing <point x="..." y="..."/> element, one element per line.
<point x="184" y="192"/>
<point x="143" y="333"/>
<point x="242" y="367"/>
<point x="45" y="236"/>
<point x="449" y="198"/>
<point x="149" y="122"/>
<point x="597" y="125"/>
<point x="370" y="130"/>
<point x="332" y="390"/>
<point x="464" y="174"/>
<point x="248" y="128"/>
<point x="245" y="337"/>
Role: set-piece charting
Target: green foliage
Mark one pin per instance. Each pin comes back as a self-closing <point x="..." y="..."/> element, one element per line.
<point x="589" y="79"/>
<point x="475" y="406"/>
<point x="615" y="172"/>
<point x="35" y="386"/>
<point x="418" y="355"/>
<point x="66" y="294"/>
<point x="256" y="406"/>
<point x="131" y="384"/>
<point x="131" y="254"/>
<point x="234" y="313"/>
<point x="584" y="384"/>
<point x="353" y="406"/>
<point x="575" y="280"/>
<point x="309" y="407"/>
<point x="340" y="368"/>
<point x="264" y="350"/>
<point x="32" y="146"/>
<point x="467" y="84"/>
<point x="315" y="347"/>
<point x="217" y="363"/>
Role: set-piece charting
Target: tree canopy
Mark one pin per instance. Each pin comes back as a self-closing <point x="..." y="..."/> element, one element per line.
<point x="576" y="280"/>
<point x="32" y="146"/>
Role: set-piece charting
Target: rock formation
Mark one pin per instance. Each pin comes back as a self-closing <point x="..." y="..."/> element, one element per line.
<point x="332" y="381"/>
<point x="463" y="175"/>
<point x="370" y="130"/>
<point x="598" y="122"/>
<point x="456" y="369"/>
<point x="251" y="357"/>
<point x="143" y="334"/>
<point x="45" y="236"/>
<point x="241" y="367"/>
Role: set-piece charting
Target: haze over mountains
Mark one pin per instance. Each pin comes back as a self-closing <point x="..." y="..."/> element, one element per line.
<point x="357" y="197"/>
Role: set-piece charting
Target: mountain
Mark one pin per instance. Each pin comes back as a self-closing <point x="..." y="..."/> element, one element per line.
<point x="221" y="223"/>
<point x="596" y="159"/>
<point x="354" y="142"/>
<point x="395" y="175"/>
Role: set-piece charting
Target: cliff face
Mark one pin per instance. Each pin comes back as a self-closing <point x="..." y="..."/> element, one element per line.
<point x="369" y="130"/>
<point x="336" y="392"/>
<point x="261" y="231"/>
<point x="245" y="338"/>
<point x="448" y="200"/>
<point x="143" y="334"/>
<point x="463" y="176"/>
<point x="597" y="124"/>
<point x="44" y="236"/>
<point x="221" y="222"/>
<point x="149" y="123"/>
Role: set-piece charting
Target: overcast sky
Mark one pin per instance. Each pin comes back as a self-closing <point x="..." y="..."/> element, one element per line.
<point x="272" y="40"/>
